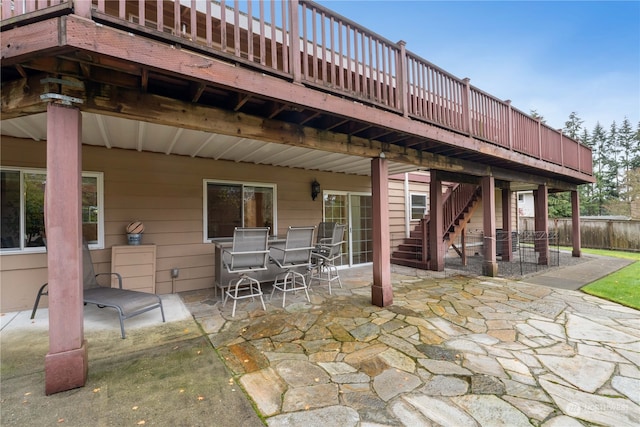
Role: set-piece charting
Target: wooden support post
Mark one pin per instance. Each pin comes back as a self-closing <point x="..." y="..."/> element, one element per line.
<point x="401" y="68"/>
<point x="507" y="225"/>
<point x="66" y="361"/>
<point x="510" y="123"/>
<point x="541" y="237"/>
<point x="436" y="247"/>
<point x="575" y="224"/>
<point x="466" y="105"/>
<point x="381" y="290"/>
<point x="82" y="8"/>
<point x="489" y="266"/>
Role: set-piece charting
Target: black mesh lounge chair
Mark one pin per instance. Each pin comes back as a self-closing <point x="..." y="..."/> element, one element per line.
<point x="128" y="303"/>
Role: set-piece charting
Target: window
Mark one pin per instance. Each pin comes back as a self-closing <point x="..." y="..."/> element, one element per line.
<point x="228" y="205"/>
<point x="22" y="209"/>
<point x="418" y="206"/>
<point x="521" y="197"/>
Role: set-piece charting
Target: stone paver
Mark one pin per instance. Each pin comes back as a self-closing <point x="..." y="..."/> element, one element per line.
<point x="450" y="351"/>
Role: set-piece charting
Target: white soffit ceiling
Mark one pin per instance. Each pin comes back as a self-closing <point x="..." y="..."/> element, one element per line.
<point x="114" y="132"/>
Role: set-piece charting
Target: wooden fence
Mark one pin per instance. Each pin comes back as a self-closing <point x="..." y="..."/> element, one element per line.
<point x="594" y="233"/>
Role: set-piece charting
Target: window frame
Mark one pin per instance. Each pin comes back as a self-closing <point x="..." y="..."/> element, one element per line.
<point x="243" y="184"/>
<point x="41" y="249"/>
<point x="411" y="206"/>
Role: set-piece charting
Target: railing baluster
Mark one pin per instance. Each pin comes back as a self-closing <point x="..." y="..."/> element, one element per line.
<point x="341" y="54"/>
<point x="176" y="18"/>
<point x="372" y="92"/>
<point x="294" y="39"/>
<point x="236" y="28"/>
<point x="273" y="30"/>
<point x="249" y="31"/>
<point x="208" y="23"/>
<point x="223" y="25"/>
<point x="160" y="16"/>
<point x="314" y="45"/>
<point x="142" y="20"/>
<point x="194" y="22"/>
<point x="305" y="42"/>
<point x="323" y="33"/>
<point x="261" y="39"/>
<point x="349" y="80"/>
<point x="333" y="63"/>
<point x="287" y="35"/>
<point x="356" y="69"/>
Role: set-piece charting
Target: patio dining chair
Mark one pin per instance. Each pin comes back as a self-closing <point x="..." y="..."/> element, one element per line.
<point x="295" y="256"/>
<point x="126" y="302"/>
<point x="324" y="258"/>
<point x="249" y="253"/>
<point x="325" y="232"/>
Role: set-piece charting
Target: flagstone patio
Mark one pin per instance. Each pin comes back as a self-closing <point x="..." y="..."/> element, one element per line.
<point x="451" y="350"/>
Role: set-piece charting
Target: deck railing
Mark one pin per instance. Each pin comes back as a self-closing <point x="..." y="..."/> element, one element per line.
<point x="312" y="45"/>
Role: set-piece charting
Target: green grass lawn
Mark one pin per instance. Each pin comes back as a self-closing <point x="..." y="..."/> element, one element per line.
<point x="623" y="286"/>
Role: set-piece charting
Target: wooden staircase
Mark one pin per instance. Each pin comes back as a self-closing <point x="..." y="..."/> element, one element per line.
<point x="458" y="206"/>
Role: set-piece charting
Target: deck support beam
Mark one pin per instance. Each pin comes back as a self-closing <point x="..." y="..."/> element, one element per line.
<point x="541" y="220"/>
<point x="381" y="290"/>
<point x="66" y="363"/>
<point x="575" y="224"/>
<point x="507" y="226"/>
<point x="489" y="266"/>
<point x="436" y="249"/>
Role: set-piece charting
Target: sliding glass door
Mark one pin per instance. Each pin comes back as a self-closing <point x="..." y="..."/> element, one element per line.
<point x="355" y="210"/>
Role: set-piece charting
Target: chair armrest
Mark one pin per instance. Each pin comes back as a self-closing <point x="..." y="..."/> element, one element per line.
<point x="112" y="274"/>
<point x="42" y="291"/>
<point x="224" y="251"/>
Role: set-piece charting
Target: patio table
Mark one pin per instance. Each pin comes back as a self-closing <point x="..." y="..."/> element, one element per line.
<point x="222" y="276"/>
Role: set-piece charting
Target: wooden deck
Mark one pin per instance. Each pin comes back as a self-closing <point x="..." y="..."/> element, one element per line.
<point x="393" y="97"/>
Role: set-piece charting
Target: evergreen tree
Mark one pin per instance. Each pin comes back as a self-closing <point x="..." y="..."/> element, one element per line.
<point x="611" y="173"/>
<point x="534" y="114"/>
<point x="588" y="206"/>
<point x="635" y="160"/>
<point x="559" y="205"/>
<point x="629" y="150"/>
<point x="599" y="140"/>
<point x="573" y="126"/>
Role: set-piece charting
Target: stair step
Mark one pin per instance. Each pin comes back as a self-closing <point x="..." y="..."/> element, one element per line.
<point x="410" y="263"/>
<point x="406" y="247"/>
<point x="407" y="255"/>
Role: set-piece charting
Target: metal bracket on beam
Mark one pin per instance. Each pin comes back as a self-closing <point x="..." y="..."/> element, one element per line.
<point x="63" y="99"/>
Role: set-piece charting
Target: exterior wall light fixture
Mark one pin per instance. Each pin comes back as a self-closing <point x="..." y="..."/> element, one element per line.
<point x="315" y="189"/>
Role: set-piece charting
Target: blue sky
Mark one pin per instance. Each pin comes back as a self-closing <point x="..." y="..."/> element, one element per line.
<point x="554" y="57"/>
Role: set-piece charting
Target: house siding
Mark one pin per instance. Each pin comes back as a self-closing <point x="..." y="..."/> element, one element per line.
<point x="166" y="193"/>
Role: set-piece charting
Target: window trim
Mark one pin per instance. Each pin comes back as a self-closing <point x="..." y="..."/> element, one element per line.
<point x="85" y="174"/>
<point x="205" y="182"/>
<point x="426" y="201"/>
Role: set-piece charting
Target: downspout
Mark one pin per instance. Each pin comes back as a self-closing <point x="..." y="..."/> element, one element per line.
<point x="407" y="207"/>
